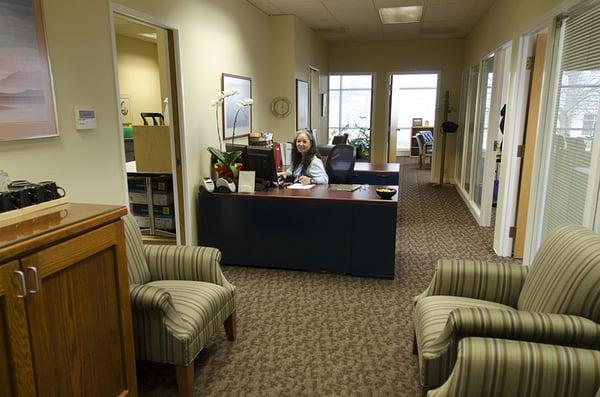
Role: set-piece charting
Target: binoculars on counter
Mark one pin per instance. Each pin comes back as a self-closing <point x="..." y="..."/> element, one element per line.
<point x="23" y="194"/>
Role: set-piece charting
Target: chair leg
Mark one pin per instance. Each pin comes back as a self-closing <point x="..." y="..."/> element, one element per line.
<point x="230" y="326"/>
<point x="415" y="346"/>
<point x="185" y="380"/>
<point x="420" y="161"/>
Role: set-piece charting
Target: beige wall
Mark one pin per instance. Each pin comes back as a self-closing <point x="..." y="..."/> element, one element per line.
<point x="88" y="164"/>
<point x="312" y="50"/>
<point x="294" y="47"/>
<point x="214" y="37"/>
<point x="139" y="76"/>
<point x="383" y="58"/>
<point x="507" y="20"/>
<point x="281" y="61"/>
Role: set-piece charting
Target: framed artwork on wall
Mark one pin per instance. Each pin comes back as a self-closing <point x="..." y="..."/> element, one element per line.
<point x="302" y="104"/>
<point x="243" y="123"/>
<point x="26" y="95"/>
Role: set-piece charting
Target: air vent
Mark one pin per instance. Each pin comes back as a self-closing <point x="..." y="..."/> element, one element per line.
<point x="339" y="29"/>
<point x="441" y="30"/>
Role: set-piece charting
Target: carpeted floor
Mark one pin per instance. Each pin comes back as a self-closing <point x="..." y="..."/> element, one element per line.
<point x="313" y="334"/>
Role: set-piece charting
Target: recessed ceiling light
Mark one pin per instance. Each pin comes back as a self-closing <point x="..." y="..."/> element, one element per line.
<point x="148" y="35"/>
<point x="409" y="14"/>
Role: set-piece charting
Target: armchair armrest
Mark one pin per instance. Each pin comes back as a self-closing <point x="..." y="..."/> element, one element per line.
<point x="483" y="366"/>
<point x="170" y="262"/>
<point x="158" y="306"/>
<point x="149" y="297"/>
<point x="557" y="329"/>
<point x="490" y="281"/>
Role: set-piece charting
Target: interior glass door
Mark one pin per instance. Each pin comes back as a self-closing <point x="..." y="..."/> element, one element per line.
<point x="469" y="126"/>
<point x="481" y="131"/>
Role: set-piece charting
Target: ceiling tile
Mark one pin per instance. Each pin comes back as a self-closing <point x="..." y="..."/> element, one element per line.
<point x="361" y="22"/>
<point x="357" y="17"/>
<point x="322" y="22"/>
<point x="446" y="12"/>
<point x="267" y="7"/>
<point x="396" y="3"/>
<point x="363" y="29"/>
<point x="407" y="28"/>
<point x="348" y="4"/>
<point x="337" y="37"/>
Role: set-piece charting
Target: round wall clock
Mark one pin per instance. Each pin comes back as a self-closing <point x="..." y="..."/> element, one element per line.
<point x="281" y="107"/>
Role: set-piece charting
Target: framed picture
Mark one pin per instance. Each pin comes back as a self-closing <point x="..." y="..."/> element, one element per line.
<point x="26" y="96"/>
<point x="324" y="105"/>
<point x="417" y="122"/>
<point x="302" y="104"/>
<point x="125" y="107"/>
<point x="243" y="121"/>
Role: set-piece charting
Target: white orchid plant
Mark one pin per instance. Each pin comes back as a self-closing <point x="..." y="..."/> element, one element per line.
<point x="226" y="164"/>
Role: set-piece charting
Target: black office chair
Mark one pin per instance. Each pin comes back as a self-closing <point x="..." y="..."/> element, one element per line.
<point x="154" y="116"/>
<point x="339" y="139"/>
<point x="340" y="163"/>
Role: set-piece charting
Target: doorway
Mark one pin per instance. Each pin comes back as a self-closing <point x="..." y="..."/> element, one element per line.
<point x="148" y="102"/>
<point x="412" y="108"/>
<point x="485" y="110"/>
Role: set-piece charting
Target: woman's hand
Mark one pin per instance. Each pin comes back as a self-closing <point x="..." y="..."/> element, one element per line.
<point x="282" y="174"/>
<point x="305" y="180"/>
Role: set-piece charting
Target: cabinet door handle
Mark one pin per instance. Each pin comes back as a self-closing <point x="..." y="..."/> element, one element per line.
<point x="37" y="280"/>
<point x="23" y="286"/>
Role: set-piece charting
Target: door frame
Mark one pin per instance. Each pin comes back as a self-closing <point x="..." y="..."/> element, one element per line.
<point x="438" y="110"/>
<point x="175" y="76"/>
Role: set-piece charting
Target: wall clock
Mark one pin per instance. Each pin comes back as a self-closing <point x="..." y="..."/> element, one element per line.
<point x="281" y="107"/>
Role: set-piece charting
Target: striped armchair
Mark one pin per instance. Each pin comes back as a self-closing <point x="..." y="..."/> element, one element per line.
<point x="504" y="368"/>
<point x="555" y="301"/>
<point x="179" y="299"/>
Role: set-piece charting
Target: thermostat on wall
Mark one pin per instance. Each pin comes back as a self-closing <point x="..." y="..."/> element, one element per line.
<point x="85" y="119"/>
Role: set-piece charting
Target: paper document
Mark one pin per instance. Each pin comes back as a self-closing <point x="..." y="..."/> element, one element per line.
<point x="246" y="181"/>
<point x="300" y="186"/>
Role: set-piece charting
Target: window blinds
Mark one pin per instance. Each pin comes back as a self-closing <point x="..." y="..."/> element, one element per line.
<point x="575" y="112"/>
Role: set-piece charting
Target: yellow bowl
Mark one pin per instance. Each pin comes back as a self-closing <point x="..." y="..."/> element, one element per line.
<point x="385" y="193"/>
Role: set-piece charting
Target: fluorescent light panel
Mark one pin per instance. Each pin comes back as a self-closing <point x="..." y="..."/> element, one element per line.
<point x="409" y="14"/>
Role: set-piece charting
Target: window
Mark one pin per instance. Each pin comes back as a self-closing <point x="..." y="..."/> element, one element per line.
<point x="350" y="107"/>
<point x="416" y="96"/>
<point x="567" y="191"/>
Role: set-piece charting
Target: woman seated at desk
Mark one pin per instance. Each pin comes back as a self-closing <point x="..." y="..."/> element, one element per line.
<point x="307" y="166"/>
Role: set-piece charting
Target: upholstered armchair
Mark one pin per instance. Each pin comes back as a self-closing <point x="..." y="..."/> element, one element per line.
<point x="179" y="299"/>
<point x="555" y="301"/>
<point x="502" y="368"/>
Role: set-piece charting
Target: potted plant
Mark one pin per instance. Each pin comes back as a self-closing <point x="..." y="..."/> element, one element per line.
<point x="225" y="163"/>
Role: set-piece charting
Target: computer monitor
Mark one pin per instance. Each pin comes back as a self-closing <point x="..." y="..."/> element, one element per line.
<point x="230" y="147"/>
<point x="262" y="161"/>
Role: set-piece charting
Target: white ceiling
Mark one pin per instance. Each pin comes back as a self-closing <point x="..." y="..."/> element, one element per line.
<point x="358" y="20"/>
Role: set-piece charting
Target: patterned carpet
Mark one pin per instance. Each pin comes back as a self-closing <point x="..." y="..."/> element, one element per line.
<point x="313" y="334"/>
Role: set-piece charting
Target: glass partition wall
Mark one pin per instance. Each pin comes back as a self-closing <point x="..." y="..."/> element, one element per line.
<point x="485" y="89"/>
<point x="568" y="190"/>
<point x="481" y="132"/>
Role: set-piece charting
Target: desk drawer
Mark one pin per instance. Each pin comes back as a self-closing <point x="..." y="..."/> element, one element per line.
<point x="364" y="178"/>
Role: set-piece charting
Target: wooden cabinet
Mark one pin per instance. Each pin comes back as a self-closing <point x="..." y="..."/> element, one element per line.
<point x="64" y="303"/>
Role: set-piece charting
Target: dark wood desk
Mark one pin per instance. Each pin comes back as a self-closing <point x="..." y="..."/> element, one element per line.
<point x="316" y="229"/>
<point x="376" y="174"/>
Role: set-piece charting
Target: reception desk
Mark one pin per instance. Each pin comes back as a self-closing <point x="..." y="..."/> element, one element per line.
<point x="317" y="229"/>
<point x="376" y="174"/>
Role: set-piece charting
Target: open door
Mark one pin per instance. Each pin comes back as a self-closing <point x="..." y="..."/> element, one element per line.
<point x="149" y="103"/>
<point x="528" y="148"/>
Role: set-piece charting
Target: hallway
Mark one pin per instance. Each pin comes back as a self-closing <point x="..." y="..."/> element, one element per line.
<point x="311" y="334"/>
